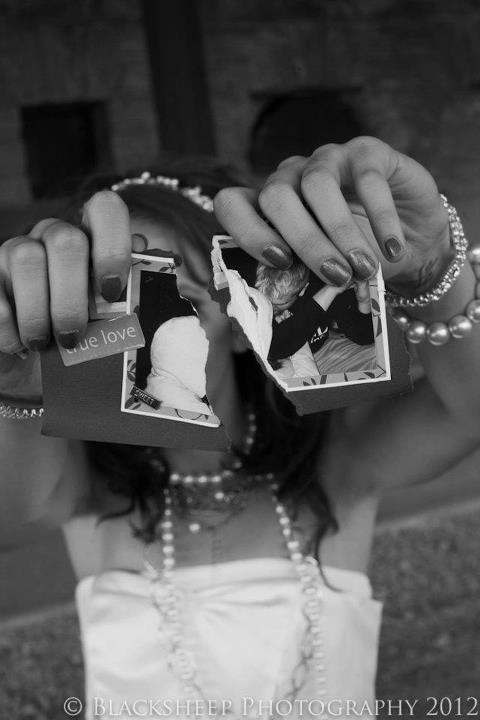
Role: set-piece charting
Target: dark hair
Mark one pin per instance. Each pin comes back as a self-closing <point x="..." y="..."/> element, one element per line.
<point x="286" y="443"/>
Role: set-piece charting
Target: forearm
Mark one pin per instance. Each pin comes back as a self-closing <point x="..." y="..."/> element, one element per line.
<point x="325" y="296"/>
<point x="407" y="439"/>
<point x="32" y="466"/>
<point x="453" y="369"/>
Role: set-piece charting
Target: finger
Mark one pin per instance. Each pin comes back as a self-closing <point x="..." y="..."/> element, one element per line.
<point x="67" y="253"/>
<point x="280" y="202"/>
<point x="139" y="243"/>
<point x="37" y="231"/>
<point x="10" y="342"/>
<point x="29" y="283"/>
<point x="107" y="219"/>
<point x="237" y="212"/>
<point x="375" y="195"/>
<point x="321" y="183"/>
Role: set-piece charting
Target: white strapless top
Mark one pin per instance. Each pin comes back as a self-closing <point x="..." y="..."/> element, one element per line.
<point x="243" y="620"/>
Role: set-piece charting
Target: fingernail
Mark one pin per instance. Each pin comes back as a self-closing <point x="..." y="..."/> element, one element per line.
<point x="139" y="242"/>
<point x="68" y="340"/>
<point x="393" y="248"/>
<point x="38" y="344"/>
<point x="363" y="266"/>
<point x="22" y="354"/>
<point x="278" y="257"/>
<point x="335" y="273"/>
<point x="111" y="286"/>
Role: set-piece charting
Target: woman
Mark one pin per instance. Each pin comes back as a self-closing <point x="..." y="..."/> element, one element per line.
<point x="215" y="611"/>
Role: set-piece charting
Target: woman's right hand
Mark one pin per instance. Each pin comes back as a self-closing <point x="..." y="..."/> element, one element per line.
<point x="44" y="280"/>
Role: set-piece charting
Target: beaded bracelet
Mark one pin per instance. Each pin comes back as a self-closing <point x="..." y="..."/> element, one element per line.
<point x="460" y="246"/>
<point x="439" y="333"/>
<point x="17" y="413"/>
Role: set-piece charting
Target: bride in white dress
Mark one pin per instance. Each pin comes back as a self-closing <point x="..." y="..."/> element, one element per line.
<point x="235" y="585"/>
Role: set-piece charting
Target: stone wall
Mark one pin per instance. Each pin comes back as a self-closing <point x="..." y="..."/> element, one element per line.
<point x="414" y="66"/>
<point x="66" y="51"/>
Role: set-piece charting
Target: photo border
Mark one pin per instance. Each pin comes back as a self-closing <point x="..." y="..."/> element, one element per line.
<point x="129" y="357"/>
<point x="382" y="370"/>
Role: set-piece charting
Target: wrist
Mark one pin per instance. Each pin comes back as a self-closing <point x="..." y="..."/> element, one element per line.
<point x="453" y="302"/>
<point x="21" y="384"/>
<point x="28" y="403"/>
<point x="436" y="291"/>
<point x="449" y="309"/>
<point x="426" y="272"/>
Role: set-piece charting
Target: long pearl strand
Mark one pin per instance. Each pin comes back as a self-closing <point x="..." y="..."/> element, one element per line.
<point x="167" y="599"/>
<point x="308" y="573"/>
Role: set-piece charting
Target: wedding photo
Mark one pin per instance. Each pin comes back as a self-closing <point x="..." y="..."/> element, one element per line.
<point x="239" y="359"/>
<point x="167" y="377"/>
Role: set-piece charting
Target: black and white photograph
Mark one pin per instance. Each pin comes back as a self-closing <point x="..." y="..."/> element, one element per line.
<point x="167" y="377"/>
<point x="239" y="359"/>
<point x="305" y="332"/>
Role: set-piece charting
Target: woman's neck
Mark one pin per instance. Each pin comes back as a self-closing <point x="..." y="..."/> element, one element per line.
<point x="224" y="397"/>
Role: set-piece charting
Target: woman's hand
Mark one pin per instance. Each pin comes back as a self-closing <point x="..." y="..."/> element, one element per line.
<point x="44" y="286"/>
<point x="342" y="211"/>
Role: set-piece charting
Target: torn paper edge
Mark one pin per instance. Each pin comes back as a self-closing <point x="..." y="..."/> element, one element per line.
<point x="215" y="421"/>
<point x="226" y="279"/>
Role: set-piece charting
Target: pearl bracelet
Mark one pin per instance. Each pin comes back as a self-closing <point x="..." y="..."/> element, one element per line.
<point x="16" y="413"/>
<point x="439" y="333"/>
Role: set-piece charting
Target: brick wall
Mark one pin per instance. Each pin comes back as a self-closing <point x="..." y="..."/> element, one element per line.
<point x="67" y="51"/>
<point x="415" y="65"/>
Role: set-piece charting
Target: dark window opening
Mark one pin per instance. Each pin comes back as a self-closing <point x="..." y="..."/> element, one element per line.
<point x="297" y="123"/>
<point x="64" y="143"/>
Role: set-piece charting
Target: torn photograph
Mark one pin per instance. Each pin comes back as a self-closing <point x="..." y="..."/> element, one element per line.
<point x="304" y="332"/>
<point x="167" y="377"/>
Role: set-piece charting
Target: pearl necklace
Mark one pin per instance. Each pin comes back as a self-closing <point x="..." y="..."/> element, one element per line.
<point x="219" y="495"/>
<point x="167" y="598"/>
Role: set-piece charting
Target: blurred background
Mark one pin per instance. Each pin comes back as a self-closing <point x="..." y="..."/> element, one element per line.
<point x="94" y="85"/>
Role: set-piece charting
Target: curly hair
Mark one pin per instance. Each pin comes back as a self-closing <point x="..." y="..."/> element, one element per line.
<point x="286" y="444"/>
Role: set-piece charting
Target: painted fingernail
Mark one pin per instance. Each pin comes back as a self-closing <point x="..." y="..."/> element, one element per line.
<point x="362" y="264"/>
<point x="335" y="273"/>
<point x="139" y="242"/>
<point x="393" y="248"/>
<point x="38" y="344"/>
<point x="111" y="286"/>
<point x="68" y="340"/>
<point x="278" y="257"/>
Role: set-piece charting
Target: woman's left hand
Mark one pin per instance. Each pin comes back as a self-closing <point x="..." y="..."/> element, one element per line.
<point x="342" y="211"/>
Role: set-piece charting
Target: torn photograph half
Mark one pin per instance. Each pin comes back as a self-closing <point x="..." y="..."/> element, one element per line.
<point x="304" y="332"/>
<point x="167" y="377"/>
